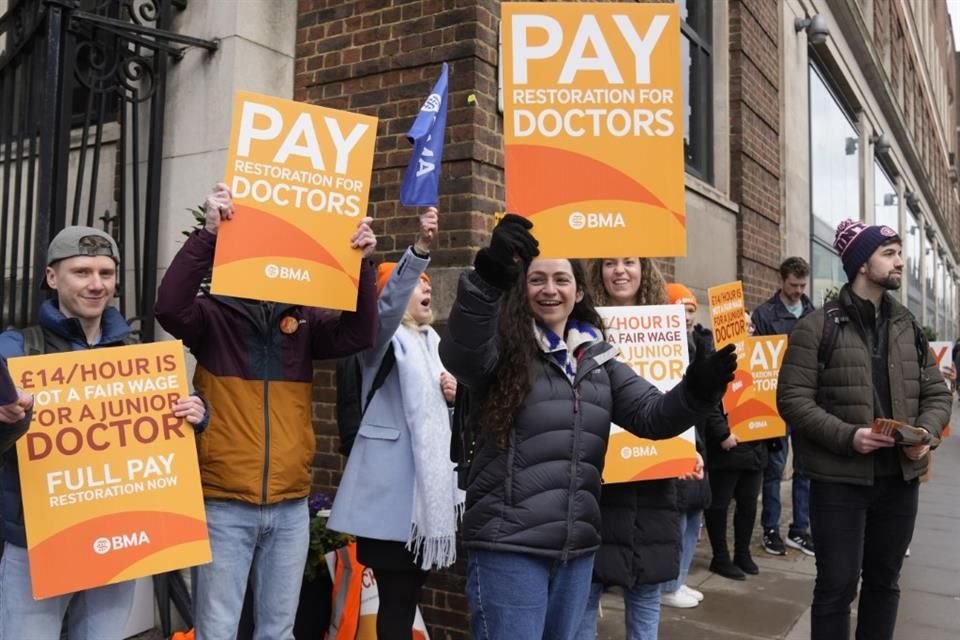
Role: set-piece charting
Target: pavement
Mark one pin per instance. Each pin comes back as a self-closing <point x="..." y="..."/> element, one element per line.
<point x="776" y="603"/>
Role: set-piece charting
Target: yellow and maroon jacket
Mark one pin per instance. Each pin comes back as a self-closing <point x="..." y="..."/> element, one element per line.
<point x="255" y="368"/>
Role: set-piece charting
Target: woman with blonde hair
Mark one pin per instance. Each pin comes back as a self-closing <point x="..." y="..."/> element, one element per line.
<point x="640" y="521"/>
<point x="399" y="494"/>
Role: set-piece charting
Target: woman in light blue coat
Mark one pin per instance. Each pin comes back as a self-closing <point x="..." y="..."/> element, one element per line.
<point x="399" y="493"/>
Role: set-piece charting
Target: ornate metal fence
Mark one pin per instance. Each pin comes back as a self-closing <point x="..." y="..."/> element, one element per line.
<point x="82" y="92"/>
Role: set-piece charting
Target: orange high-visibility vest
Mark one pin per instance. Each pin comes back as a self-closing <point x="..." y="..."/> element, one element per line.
<point x="347" y="587"/>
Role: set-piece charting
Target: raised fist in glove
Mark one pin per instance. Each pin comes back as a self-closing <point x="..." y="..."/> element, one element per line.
<point x="511" y="247"/>
<point x="708" y="375"/>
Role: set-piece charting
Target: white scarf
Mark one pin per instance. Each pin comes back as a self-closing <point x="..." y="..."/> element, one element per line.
<point x="437" y="502"/>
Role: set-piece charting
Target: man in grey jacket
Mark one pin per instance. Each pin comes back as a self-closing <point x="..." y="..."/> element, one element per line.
<point x="863" y="484"/>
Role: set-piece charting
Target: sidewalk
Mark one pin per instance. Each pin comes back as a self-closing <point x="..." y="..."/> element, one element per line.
<point x="775" y="604"/>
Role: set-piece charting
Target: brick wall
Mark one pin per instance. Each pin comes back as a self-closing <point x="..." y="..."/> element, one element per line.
<point x="381" y="57"/>
<point x="755" y="144"/>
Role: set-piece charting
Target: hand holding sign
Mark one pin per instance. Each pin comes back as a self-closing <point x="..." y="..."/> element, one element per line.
<point x="16" y="410"/>
<point x="708" y="375"/>
<point x="364" y="238"/>
<point x="217" y="206"/>
<point x="190" y="408"/>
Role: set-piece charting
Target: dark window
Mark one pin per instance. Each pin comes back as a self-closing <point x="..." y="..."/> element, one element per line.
<point x="696" y="50"/>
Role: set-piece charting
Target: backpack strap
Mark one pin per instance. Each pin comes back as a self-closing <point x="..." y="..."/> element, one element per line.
<point x="34" y="342"/>
<point x="832" y="316"/>
<point x="386" y="366"/>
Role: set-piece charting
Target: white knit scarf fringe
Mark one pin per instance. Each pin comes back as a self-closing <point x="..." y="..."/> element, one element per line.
<point x="437" y="502"/>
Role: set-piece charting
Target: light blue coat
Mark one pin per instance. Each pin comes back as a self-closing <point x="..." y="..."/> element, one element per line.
<point x="375" y="497"/>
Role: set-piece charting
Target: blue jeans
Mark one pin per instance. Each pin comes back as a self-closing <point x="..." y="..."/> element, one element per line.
<point x="520" y="596"/>
<point x="268" y="543"/>
<point x="689" y="532"/>
<point x="772" y="476"/>
<point x="94" y="613"/>
<point x="642" y="615"/>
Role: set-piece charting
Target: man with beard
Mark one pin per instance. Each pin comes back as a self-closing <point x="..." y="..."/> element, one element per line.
<point x="848" y="364"/>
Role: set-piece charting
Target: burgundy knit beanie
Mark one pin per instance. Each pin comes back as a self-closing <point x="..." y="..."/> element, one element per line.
<point x="856" y="242"/>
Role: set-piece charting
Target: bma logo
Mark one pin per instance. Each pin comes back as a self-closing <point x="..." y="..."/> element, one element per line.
<point x="273" y="272"/>
<point x="432" y="104"/>
<point x="578" y="221"/>
<point x="102" y="546"/>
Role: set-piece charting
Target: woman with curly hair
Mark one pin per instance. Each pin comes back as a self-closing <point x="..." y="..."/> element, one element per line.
<point x="526" y="340"/>
<point x="641" y="524"/>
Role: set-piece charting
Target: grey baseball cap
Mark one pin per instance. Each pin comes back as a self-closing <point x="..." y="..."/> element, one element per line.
<point x="82" y="241"/>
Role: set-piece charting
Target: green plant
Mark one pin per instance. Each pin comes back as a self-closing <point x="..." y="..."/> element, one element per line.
<point x="830" y="294"/>
<point x="930" y="333"/>
<point x="322" y="540"/>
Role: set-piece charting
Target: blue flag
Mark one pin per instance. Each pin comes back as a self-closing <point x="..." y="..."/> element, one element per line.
<point x="422" y="179"/>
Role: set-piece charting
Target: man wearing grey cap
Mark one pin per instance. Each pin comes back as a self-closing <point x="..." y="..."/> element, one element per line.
<point x="82" y="264"/>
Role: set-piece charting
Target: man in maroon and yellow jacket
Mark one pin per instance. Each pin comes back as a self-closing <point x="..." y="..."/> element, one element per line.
<point x="255" y="368"/>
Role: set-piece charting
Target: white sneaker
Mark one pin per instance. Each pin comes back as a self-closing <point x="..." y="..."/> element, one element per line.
<point x="690" y="591"/>
<point x="679" y="600"/>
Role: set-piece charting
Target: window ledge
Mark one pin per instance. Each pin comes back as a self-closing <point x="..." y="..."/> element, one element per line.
<point x="710" y="192"/>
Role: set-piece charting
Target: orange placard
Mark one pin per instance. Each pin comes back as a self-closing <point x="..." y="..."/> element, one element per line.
<point x="593" y="126"/>
<point x="942" y="351"/>
<point x="751" y="399"/>
<point x="653" y="341"/>
<point x="300" y="177"/>
<point x="109" y="476"/>
<point x="727" y="314"/>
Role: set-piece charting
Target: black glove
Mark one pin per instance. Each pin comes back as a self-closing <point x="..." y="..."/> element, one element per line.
<point x="511" y="247"/>
<point x="708" y="375"/>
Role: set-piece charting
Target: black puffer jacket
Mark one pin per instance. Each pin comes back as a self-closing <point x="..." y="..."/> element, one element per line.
<point x="640" y="533"/>
<point x="694" y="495"/>
<point x="746" y="456"/>
<point x="541" y="494"/>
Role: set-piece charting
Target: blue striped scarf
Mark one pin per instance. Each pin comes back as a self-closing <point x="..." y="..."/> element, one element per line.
<point x="564" y="350"/>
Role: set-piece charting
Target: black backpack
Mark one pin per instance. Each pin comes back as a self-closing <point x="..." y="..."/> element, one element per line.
<point x="350" y="409"/>
<point x="833" y="315"/>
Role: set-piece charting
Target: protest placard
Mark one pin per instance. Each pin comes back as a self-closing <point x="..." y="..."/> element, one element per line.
<point x="300" y="178"/>
<point x="653" y="341"/>
<point x="751" y="399"/>
<point x="943" y="352"/>
<point x="727" y="311"/>
<point x="593" y="126"/>
<point x="108" y="474"/>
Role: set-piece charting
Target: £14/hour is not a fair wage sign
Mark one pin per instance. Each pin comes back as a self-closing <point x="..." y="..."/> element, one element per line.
<point x="593" y="126"/>
<point x="108" y="475"/>
<point x="653" y="341"/>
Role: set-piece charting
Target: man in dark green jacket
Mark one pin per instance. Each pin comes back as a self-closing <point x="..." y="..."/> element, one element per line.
<point x="864" y="485"/>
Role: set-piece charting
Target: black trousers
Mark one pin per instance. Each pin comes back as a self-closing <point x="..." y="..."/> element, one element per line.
<point x="859" y="532"/>
<point x="744" y="487"/>
<point x="399" y="585"/>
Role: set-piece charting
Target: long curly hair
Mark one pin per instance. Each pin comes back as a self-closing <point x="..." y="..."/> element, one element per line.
<point x="653" y="288"/>
<point x="519" y="351"/>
